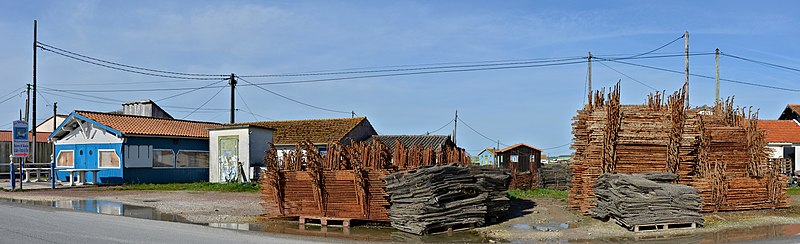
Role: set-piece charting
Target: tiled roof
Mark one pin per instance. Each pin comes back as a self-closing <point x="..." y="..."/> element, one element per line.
<point x="434" y="141"/>
<point x="141" y="125"/>
<point x="5" y="136"/>
<point x="780" y="130"/>
<point x="516" y="146"/>
<point x="795" y="107"/>
<point x="318" y="131"/>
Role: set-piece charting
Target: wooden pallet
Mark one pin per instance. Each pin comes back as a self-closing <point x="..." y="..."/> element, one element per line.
<point x="666" y="226"/>
<point x="345" y="222"/>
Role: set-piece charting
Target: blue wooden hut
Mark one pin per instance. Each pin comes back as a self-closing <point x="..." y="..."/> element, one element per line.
<point x="132" y="148"/>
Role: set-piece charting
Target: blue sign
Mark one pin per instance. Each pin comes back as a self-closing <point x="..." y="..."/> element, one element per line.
<point x="19" y="135"/>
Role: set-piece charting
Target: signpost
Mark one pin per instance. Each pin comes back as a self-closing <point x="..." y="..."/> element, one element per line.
<point x="21" y="147"/>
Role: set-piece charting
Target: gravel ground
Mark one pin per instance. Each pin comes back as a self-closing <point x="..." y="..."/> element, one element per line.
<point x="545" y="220"/>
<point x="195" y="206"/>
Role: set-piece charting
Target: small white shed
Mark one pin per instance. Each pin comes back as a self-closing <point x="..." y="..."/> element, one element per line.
<point x="232" y="144"/>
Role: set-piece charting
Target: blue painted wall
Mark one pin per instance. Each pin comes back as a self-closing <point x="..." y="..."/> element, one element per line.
<point x="486" y="158"/>
<point x="86" y="158"/>
<point x="167" y="175"/>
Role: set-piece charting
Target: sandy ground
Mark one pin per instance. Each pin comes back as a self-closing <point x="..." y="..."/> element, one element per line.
<point x="195" y="206"/>
<point x="545" y="220"/>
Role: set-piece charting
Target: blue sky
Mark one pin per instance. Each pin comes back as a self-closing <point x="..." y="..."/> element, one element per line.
<point x="528" y="105"/>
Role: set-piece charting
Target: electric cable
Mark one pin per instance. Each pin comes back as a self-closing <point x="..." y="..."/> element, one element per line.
<point x="291" y="99"/>
<point x="204" y="104"/>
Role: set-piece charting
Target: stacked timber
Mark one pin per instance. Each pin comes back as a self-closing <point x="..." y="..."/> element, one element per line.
<point x="645" y="199"/>
<point x="495" y="182"/>
<point x="344" y="183"/>
<point x="720" y="151"/>
<point x="555" y="176"/>
<point x="438" y="198"/>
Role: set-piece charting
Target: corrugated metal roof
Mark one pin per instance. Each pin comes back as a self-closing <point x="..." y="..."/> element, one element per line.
<point x="434" y="141"/>
<point x="516" y="146"/>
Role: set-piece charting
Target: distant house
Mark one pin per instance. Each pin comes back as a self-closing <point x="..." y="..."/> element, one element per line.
<point x="320" y="132"/>
<point x="791" y="112"/>
<point x="783" y="138"/>
<point x="49" y="124"/>
<point x="43" y="148"/>
<point x="523" y="156"/>
<point x="132" y="148"/>
<point x="487" y="157"/>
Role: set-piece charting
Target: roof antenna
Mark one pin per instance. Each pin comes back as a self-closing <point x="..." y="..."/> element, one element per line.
<point x="352" y="114"/>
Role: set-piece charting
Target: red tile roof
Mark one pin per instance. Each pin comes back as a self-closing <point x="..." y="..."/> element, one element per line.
<point x="780" y="130"/>
<point x="318" y="131"/>
<point x="5" y="136"/>
<point x="149" y="126"/>
<point x="795" y="107"/>
<point x="515" y="146"/>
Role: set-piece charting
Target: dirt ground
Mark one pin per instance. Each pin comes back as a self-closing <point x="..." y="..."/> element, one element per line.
<point x="195" y="206"/>
<point x="550" y="220"/>
<point x="534" y="220"/>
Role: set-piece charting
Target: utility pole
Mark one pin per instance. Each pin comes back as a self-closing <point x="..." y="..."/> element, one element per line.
<point x="27" y="102"/>
<point x="53" y="155"/>
<point x="352" y="114"/>
<point x="716" y="95"/>
<point x="589" y="74"/>
<point x="233" y="102"/>
<point x="686" y="38"/>
<point x="32" y="123"/>
<point x="455" y="127"/>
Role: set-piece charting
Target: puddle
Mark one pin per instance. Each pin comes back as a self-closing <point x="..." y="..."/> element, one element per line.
<point x="107" y="207"/>
<point x="552" y="226"/>
<point x="361" y="233"/>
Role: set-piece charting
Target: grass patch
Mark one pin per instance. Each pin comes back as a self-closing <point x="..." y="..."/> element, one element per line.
<point x="793" y="190"/>
<point x="537" y="193"/>
<point x="199" y="186"/>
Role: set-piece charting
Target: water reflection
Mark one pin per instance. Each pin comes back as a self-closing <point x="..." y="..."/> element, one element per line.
<point x="108" y="207"/>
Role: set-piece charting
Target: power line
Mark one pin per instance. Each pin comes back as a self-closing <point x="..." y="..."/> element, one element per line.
<point x="204" y="104"/>
<point x="43" y="45"/>
<point x="629" y="77"/>
<point x="409" y="69"/>
<point x="708" y="77"/>
<point x="254" y="114"/>
<point x="659" y="48"/>
<point x="126" y="69"/>
<point x="481" y="134"/>
<point x="9" y="98"/>
<point x="293" y="100"/>
<point x="440" y="128"/>
<point x="245" y="102"/>
<point x="760" y="62"/>
<point x="192" y="90"/>
<point x="559" y="146"/>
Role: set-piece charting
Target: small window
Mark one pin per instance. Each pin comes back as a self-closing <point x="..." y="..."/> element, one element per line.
<point x="533" y="158"/>
<point x="66" y="158"/>
<point x="163" y="158"/>
<point x="514" y="158"/>
<point x="107" y="159"/>
<point x="192" y="159"/>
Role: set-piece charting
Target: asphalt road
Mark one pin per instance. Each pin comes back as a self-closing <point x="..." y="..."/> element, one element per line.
<point x="39" y="224"/>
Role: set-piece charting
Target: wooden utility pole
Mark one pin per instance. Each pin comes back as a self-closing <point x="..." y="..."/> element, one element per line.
<point x="233" y="101"/>
<point x="53" y="155"/>
<point x="716" y="95"/>
<point x="27" y="102"/>
<point x="455" y="127"/>
<point x="686" y="38"/>
<point x="589" y="74"/>
<point x="32" y="123"/>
